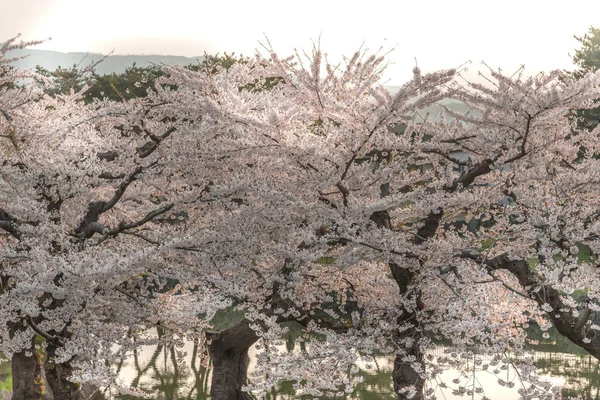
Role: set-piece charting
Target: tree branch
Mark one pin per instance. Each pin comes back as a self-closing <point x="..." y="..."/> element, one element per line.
<point x="123" y="227"/>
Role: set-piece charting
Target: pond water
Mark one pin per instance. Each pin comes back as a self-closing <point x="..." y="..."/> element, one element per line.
<point x="154" y="370"/>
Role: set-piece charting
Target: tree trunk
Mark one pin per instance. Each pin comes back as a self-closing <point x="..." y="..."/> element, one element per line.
<point x="28" y="378"/>
<point x="57" y="376"/>
<point x="405" y="375"/>
<point x="228" y="351"/>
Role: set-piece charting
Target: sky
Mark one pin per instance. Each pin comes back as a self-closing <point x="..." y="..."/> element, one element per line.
<point x="435" y="34"/>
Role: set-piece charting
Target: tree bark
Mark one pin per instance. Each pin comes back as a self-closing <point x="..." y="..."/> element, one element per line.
<point x="57" y="376"/>
<point x="228" y="351"/>
<point x="28" y="377"/>
<point x="575" y="328"/>
<point x="405" y="375"/>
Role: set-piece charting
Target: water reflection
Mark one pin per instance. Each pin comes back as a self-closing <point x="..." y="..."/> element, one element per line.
<point x="581" y="373"/>
<point x="156" y="370"/>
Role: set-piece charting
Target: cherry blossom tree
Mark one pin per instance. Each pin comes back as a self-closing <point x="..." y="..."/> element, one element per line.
<point x="314" y="171"/>
<point x="276" y="187"/>
<point x="85" y="212"/>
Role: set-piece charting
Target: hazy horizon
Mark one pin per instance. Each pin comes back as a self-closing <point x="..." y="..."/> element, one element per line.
<point x="433" y="33"/>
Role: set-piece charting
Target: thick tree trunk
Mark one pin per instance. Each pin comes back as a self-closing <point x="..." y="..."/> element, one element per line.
<point x="405" y="376"/>
<point x="57" y="376"/>
<point x="28" y="378"/>
<point x="228" y="351"/>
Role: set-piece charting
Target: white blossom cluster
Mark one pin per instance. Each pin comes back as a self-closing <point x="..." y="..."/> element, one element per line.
<point x="282" y="188"/>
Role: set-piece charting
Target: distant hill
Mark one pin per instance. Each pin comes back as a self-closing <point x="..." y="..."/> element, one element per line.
<point x="434" y="110"/>
<point x="114" y="63"/>
<point x="51" y="60"/>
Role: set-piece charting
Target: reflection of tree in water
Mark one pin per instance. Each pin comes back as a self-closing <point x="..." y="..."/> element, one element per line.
<point x="161" y="375"/>
<point x="558" y="357"/>
<point x="376" y="380"/>
<point x="581" y="373"/>
<point x="200" y="373"/>
<point x="376" y="384"/>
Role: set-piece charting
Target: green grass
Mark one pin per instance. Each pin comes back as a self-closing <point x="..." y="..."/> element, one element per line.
<point x="5" y="377"/>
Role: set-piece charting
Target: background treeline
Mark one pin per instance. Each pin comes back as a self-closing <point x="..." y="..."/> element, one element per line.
<point x="132" y="83"/>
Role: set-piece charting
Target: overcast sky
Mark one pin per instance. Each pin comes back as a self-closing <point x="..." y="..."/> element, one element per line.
<point x="437" y="33"/>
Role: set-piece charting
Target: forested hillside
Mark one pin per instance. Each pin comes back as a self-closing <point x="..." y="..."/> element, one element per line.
<point x="51" y="60"/>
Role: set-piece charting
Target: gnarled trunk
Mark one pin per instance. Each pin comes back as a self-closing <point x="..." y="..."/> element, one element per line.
<point x="63" y="389"/>
<point x="405" y="375"/>
<point x="228" y="351"/>
<point x="28" y="377"/>
<point x="57" y="376"/>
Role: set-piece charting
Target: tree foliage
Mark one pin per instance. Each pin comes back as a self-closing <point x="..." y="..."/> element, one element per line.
<point x="587" y="60"/>
<point x="64" y="79"/>
<point x="134" y="82"/>
<point x="225" y="188"/>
